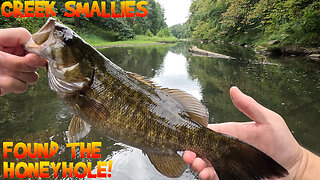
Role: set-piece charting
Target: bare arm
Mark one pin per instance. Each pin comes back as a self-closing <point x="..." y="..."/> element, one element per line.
<point x="309" y="167"/>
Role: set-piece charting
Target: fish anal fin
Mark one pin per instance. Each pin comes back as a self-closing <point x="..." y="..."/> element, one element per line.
<point x="169" y="165"/>
<point x="195" y="109"/>
<point x="78" y="129"/>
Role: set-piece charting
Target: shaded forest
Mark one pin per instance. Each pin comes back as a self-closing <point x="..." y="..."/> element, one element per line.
<point x="109" y="29"/>
<point x="253" y="21"/>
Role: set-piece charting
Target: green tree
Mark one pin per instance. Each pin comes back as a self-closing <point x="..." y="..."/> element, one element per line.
<point x="181" y="31"/>
<point x="251" y="21"/>
<point x="164" y="32"/>
<point x="107" y="28"/>
<point x="149" y="33"/>
<point x="205" y="18"/>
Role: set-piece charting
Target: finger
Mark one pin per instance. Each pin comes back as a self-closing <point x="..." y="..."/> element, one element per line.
<point x="9" y="84"/>
<point x="16" y="63"/>
<point x="198" y="165"/>
<point x="189" y="157"/>
<point x="235" y="129"/>
<point x="208" y="173"/>
<point x="19" y="51"/>
<point x="14" y="37"/>
<point x="35" y="61"/>
<point x="29" y="78"/>
<point x="249" y="106"/>
<point x="225" y="128"/>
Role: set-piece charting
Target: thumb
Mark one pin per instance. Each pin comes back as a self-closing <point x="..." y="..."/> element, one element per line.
<point x="249" y="106"/>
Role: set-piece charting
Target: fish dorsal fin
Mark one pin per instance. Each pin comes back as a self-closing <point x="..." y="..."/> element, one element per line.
<point x="169" y="165"/>
<point x="196" y="110"/>
<point x="77" y="130"/>
<point x="143" y="79"/>
<point x="193" y="107"/>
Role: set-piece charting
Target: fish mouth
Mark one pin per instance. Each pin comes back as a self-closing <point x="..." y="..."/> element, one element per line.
<point x="42" y="38"/>
<point x="44" y="33"/>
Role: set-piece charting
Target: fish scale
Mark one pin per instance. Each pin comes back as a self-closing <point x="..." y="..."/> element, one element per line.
<point x="152" y="123"/>
<point x="130" y="109"/>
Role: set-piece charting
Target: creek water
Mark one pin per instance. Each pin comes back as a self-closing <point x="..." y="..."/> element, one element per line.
<point x="289" y="86"/>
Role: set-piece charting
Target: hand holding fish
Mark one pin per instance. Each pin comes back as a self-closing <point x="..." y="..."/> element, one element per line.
<point x="17" y="66"/>
<point x="269" y="133"/>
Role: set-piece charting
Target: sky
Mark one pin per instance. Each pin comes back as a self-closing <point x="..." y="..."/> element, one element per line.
<point x="176" y="11"/>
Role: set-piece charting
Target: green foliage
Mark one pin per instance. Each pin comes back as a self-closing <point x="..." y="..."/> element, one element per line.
<point x="95" y="40"/>
<point x="181" y="31"/>
<point x="149" y="33"/>
<point x="155" y="20"/>
<point x="205" y="18"/>
<point x="108" y="29"/>
<point x="164" y="32"/>
<point x="155" y="38"/>
<point x="32" y="24"/>
<point x="252" y="21"/>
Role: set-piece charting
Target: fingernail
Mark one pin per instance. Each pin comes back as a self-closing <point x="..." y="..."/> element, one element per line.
<point x="232" y="93"/>
<point x="234" y="87"/>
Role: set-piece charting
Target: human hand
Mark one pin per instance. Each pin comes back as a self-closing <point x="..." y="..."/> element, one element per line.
<point x="267" y="132"/>
<point x="17" y="67"/>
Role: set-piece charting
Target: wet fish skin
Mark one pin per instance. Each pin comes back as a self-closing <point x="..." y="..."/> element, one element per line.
<point x="130" y="109"/>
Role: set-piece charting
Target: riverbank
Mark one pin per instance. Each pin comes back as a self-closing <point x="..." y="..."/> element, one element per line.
<point x="139" y="40"/>
<point x="128" y="45"/>
<point x="277" y="48"/>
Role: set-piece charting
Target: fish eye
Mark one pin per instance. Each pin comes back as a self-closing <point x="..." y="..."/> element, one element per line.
<point x="68" y="41"/>
<point x="67" y="37"/>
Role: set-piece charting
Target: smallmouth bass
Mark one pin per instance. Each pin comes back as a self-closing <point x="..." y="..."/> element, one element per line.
<point x="130" y="109"/>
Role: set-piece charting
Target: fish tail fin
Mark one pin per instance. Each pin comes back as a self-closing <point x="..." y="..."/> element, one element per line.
<point x="234" y="159"/>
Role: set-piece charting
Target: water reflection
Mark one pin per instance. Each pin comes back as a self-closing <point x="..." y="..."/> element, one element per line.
<point x="174" y="74"/>
<point x="145" y="61"/>
<point x="288" y="86"/>
<point x="131" y="163"/>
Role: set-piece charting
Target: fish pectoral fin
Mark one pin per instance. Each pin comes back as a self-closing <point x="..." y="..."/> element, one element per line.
<point x="194" y="108"/>
<point x="169" y="165"/>
<point x="78" y="129"/>
<point x="93" y="108"/>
